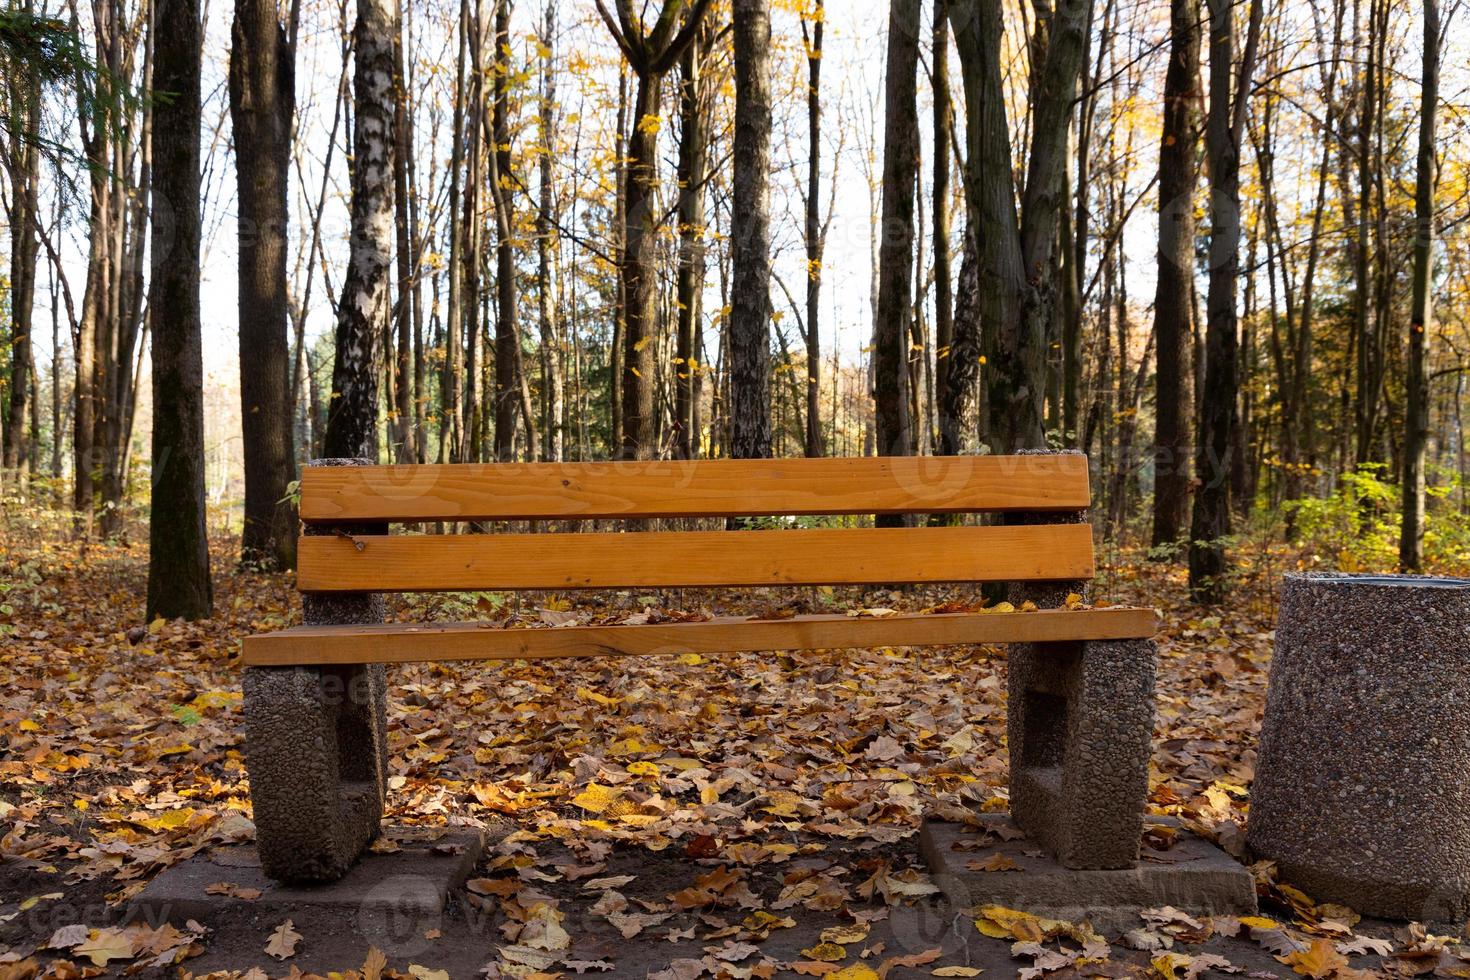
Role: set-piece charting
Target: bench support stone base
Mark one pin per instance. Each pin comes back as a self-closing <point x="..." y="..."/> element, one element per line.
<point x="316" y="752"/>
<point x="1193" y="876"/>
<point x="412" y="882"/>
<point x="1080" y="724"/>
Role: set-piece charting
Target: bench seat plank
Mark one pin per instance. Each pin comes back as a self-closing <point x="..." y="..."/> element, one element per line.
<point x="696" y="559"/>
<point x="410" y="642"/>
<point x="694" y="488"/>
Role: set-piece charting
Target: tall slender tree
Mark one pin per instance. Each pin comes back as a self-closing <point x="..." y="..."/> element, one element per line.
<point x="178" y="558"/>
<point x="1173" y="307"/>
<point x="22" y="160"/>
<point x="694" y="96"/>
<point x="507" y="330"/>
<point x="1421" y="316"/>
<point x="262" y="103"/>
<point x="1015" y="238"/>
<point x="750" y="233"/>
<point x="1230" y="85"/>
<point x="943" y="275"/>
<point x="651" y="52"/>
<point x="363" y="307"/>
<point x="816" y="229"/>
<point x="895" y="424"/>
<point x="554" y="424"/>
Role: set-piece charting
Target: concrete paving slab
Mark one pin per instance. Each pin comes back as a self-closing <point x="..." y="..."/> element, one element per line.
<point x="1193" y="876"/>
<point x="412" y="882"/>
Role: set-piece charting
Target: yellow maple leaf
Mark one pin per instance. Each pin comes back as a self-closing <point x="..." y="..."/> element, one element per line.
<point x="1318" y="961"/>
<point x="826" y="953"/>
<point x="597" y="798"/>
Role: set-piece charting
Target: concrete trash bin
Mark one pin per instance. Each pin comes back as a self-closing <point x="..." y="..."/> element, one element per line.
<point x="1362" y="789"/>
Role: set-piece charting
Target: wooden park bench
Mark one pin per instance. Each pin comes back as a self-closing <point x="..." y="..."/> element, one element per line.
<point x="1081" y="679"/>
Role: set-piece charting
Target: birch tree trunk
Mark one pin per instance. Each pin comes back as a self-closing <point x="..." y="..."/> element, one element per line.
<point x="363" y="308"/>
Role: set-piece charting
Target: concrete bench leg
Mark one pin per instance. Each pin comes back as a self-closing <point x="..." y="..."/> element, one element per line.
<point x="316" y="753"/>
<point x="1080" y="724"/>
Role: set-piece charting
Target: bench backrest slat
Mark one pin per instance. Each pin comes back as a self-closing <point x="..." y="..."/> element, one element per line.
<point x="665" y="559"/>
<point x="694" y="488"/>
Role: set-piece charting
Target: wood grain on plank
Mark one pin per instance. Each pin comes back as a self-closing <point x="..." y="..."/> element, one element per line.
<point x="403" y="642"/>
<point x="694" y="488"/>
<point x="853" y="556"/>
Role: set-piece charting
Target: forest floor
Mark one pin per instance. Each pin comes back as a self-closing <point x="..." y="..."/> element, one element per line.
<point x="747" y="815"/>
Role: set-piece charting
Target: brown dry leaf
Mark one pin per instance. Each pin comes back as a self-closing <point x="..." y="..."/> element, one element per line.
<point x="106" y="945"/>
<point x="1318" y="961"/>
<point x="374" y="965"/>
<point x="996" y="862"/>
<point x="283" y="941"/>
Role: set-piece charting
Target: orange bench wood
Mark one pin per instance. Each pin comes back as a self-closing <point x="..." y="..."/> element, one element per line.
<point x="666" y="559"/>
<point x="694" y="488"/>
<point x="405" y="643"/>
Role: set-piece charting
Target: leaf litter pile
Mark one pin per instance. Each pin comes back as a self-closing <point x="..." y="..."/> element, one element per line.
<point x="748" y="815"/>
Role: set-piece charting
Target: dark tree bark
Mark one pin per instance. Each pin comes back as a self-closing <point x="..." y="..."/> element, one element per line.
<point x="1016" y="240"/>
<point x="451" y="386"/>
<point x="178" y="560"/>
<point x="1416" y="413"/>
<point x="1229" y="88"/>
<point x="554" y="422"/>
<point x="816" y="231"/>
<point x="23" y="164"/>
<point x="943" y="274"/>
<point x="895" y="425"/>
<point x="1172" y="304"/>
<point x="651" y="53"/>
<point x="405" y="433"/>
<point x="750" y="233"/>
<point x="689" y="287"/>
<point x="262" y="103"/>
<point x="363" y="308"/>
<point x="507" y="331"/>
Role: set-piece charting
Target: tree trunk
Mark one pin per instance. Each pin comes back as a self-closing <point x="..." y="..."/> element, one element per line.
<point x="24" y="165"/>
<point x="1210" y="523"/>
<point x="1015" y="294"/>
<point x="651" y="53"/>
<point x="363" y="309"/>
<point x="507" y="331"/>
<point x="554" y="424"/>
<point x="1416" y="413"/>
<point x="895" y="425"/>
<point x="178" y="560"/>
<point x="750" y="233"/>
<point x="689" y="288"/>
<point x="452" y="379"/>
<point x="1172" y="307"/>
<point x="943" y="275"/>
<point x="404" y="432"/>
<point x="262" y="103"/>
<point x="815" y="234"/>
